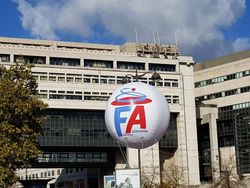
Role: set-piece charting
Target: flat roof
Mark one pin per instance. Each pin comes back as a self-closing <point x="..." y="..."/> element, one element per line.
<point x="223" y="60"/>
<point x="36" y="42"/>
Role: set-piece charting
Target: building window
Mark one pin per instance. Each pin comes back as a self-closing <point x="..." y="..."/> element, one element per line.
<point x="78" y="80"/>
<point x="168" y="97"/>
<point x="61" y="79"/>
<point x="98" y="63"/>
<point x="70" y="79"/>
<point x="43" y="78"/>
<point x="30" y="59"/>
<point x="162" y="67"/>
<point x="223" y="93"/>
<point x="222" y="78"/>
<point x="52" y="78"/>
<point x="170" y="140"/>
<point x="42" y="96"/>
<point x="4" y="58"/>
<point x="130" y="65"/>
<point x="64" y="61"/>
<point x="174" y="83"/>
<point x="176" y="99"/>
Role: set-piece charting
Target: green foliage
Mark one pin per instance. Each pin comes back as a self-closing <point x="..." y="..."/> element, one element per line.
<point x="20" y="120"/>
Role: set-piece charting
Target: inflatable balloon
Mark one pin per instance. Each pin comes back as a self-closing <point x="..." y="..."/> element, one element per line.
<point x="137" y="115"/>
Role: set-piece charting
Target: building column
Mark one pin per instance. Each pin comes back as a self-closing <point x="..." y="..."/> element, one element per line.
<point x="214" y="149"/>
<point x="147" y="66"/>
<point x="115" y="64"/>
<point x="210" y="118"/>
<point x="132" y="156"/>
<point x="150" y="162"/>
<point x="181" y="153"/>
<point x="12" y="58"/>
<point x="47" y="60"/>
<point x="82" y="62"/>
<point x="187" y="83"/>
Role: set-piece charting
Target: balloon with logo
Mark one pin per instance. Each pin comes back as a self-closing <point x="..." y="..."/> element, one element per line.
<point x="137" y="115"/>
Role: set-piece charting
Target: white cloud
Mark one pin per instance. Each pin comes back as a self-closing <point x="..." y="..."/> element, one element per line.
<point x="241" y="44"/>
<point x="196" y="24"/>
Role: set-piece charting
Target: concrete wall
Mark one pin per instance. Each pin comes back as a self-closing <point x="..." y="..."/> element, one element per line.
<point x="186" y="154"/>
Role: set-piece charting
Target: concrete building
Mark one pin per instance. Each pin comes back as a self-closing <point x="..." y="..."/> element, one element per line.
<point x="76" y="80"/>
<point x="222" y="97"/>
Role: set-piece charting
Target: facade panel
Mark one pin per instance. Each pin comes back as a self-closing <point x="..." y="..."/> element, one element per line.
<point x="225" y="83"/>
<point x="76" y="80"/>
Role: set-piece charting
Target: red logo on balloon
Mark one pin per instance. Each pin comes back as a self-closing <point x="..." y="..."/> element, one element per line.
<point x="124" y="103"/>
<point x="130" y="97"/>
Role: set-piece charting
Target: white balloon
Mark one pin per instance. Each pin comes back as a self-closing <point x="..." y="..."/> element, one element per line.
<point x="137" y="115"/>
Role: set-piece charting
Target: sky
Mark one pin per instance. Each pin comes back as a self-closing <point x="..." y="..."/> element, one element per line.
<point x="203" y="29"/>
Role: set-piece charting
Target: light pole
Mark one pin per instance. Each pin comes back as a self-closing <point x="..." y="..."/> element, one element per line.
<point x="155" y="77"/>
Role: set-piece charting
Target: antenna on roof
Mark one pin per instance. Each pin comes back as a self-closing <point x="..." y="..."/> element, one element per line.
<point x="175" y="38"/>
<point x="136" y="36"/>
<point x="176" y="44"/>
<point x="158" y="37"/>
<point x="154" y="36"/>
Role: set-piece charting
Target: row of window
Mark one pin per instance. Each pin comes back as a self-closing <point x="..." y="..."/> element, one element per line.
<point x="241" y="105"/>
<point x="86" y="132"/>
<point x="99" y="79"/>
<point x="49" y="173"/>
<point x="30" y="59"/>
<point x="223" y="94"/>
<point x="93" y="96"/>
<point x="88" y="63"/>
<point x="222" y="78"/>
<point x="235" y="107"/>
<point x="86" y="128"/>
<point x="76" y="128"/>
<point x="73" y="95"/>
<point x="86" y="157"/>
<point x="172" y="99"/>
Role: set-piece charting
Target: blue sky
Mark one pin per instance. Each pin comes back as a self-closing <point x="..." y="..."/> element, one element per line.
<point x="203" y="29"/>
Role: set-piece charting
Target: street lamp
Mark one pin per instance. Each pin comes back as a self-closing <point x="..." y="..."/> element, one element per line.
<point x="155" y="77"/>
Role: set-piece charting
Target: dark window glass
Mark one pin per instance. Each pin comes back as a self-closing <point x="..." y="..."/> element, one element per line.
<point x="4" y="58"/>
<point x="169" y="140"/>
<point x="31" y="59"/>
<point x="130" y="65"/>
<point x="162" y="67"/>
<point x="98" y="63"/>
<point x="64" y="61"/>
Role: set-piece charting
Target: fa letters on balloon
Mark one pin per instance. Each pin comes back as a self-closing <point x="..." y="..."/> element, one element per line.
<point x="137" y="117"/>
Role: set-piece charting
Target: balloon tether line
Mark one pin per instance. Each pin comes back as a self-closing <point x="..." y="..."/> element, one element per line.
<point x="123" y="155"/>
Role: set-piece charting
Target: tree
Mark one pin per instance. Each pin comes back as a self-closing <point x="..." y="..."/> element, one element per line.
<point x="173" y="176"/>
<point x="228" y="173"/>
<point x="150" y="175"/>
<point x="21" y="120"/>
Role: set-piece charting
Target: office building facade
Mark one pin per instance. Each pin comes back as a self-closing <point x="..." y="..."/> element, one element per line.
<point x="77" y="79"/>
<point x="222" y="94"/>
